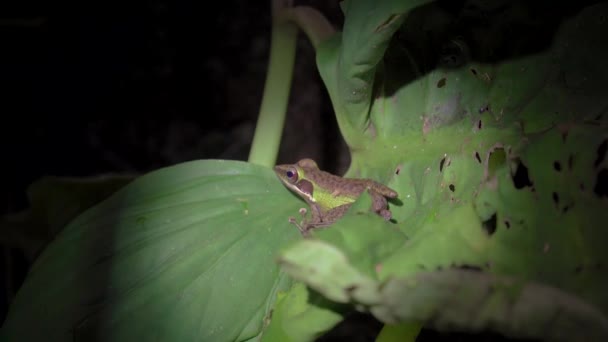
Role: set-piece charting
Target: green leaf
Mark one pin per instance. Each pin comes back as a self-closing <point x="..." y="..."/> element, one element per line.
<point x="347" y="61"/>
<point x="342" y="262"/>
<point x="55" y="201"/>
<point x="183" y="253"/>
<point x="301" y="315"/>
<point x="464" y="298"/>
<point x="500" y="168"/>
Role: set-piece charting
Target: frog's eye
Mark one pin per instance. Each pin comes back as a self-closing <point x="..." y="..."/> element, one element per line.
<point x="292" y="175"/>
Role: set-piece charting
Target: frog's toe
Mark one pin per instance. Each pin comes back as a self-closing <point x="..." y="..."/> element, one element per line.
<point x="386" y="214"/>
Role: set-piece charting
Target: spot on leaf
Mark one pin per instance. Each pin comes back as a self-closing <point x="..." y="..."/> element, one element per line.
<point x="351" y="288"/>
<point x="477" y="157"/>
<point x="467" y="267"/>
<point x="557" y="166"/>
<point x="555" y="198"/>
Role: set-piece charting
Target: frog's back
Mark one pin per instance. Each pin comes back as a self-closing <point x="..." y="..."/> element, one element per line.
<point x="352" y="187"/>
<point x="349" y="187"/>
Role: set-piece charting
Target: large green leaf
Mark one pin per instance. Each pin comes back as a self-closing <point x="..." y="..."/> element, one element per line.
<point x="185" y="253"/>
<point x="500" y="168"/>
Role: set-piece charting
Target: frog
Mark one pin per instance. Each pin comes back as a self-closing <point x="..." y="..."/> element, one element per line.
<point x="329" y="196"/>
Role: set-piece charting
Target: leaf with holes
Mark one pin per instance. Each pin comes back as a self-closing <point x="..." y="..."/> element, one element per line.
<point x="497" y="149"/>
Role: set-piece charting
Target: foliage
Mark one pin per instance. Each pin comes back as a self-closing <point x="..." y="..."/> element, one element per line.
<point x="499" y="161"/>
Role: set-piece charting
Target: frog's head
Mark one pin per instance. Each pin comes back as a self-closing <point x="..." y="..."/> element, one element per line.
<point x="294" y="177"/>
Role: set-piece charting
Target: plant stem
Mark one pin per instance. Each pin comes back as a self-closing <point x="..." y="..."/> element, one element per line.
<point x="267" y="137"/>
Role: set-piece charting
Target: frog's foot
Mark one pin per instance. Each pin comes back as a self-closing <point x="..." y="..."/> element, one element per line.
<point x="386" y="214"/>
<point x="379" y="205"/>
<point x="302" y="227"/>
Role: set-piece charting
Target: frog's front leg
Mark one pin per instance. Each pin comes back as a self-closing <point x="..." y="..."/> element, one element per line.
<point x="380" y="204"/>
<point x="305" y="224"/>
<point x="302" y="224"/>
<point x="316" y="216"/>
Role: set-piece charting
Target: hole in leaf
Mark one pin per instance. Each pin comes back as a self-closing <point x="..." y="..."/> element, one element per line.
<point x="441" y="164"/>
<point x="570" y="162"/>
<point x="398" y="170"/>
<point x="601" y="183"/>
<point x="489" y="225"/>
<point x="441" y="83"/>
<point x="521" y="179"/>
<point x="478" y="157"/>
<point x="483" y="109"/>
<point x="555" y="198"/>
<point x="566" y="208"/>
<point x="507" y="224"/>
<point x="452" y="187"/>
<point x="473" y="71"/>
<point x="557" y="166"/>
<point x="601" y="153"/>
<point x="479" y="124"/>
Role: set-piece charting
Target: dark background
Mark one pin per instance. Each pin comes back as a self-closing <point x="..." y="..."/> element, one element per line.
<point x="109" y="86"/>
